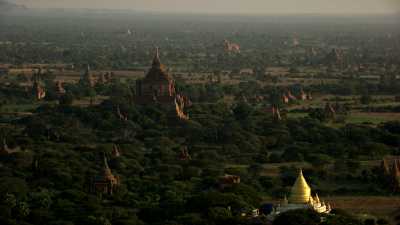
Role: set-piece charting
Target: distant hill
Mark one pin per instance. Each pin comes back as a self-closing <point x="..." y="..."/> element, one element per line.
<point x="7" y="6"/>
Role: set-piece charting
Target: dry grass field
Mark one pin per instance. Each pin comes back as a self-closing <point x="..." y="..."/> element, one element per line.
<point x="70" y="76"/>
<point x="372" y="117"/>
<point x="272" y="169"/>
<point x="85" y="102"/>
<point x="357" y="115"/>
<point x="366" y="206"/>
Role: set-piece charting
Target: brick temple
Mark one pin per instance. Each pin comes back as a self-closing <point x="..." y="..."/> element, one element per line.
<point x="158" y="87"/>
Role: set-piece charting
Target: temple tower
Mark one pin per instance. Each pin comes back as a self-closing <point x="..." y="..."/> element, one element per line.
<point x="105" y="182"/>
<point x="88" y="78"/>
<point x="158" y="87"/>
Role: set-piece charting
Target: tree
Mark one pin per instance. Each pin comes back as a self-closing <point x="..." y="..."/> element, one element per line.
<point x="318" y="114"/>
<point x="366" y="99"/>
<point x="320" y="160"/>
<point x="341" y="220"/>
<point x="14" y="186"/>
<point x="298" y="217"/>
<point x="242" y="111"/>
<point x="369" y="222"/>
<point x="382" y="222"/>
<point x="219" y="214"/>
<point x="66" y="99"/>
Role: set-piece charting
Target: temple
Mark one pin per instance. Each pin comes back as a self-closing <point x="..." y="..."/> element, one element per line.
<point x="335" y="57"/>
<point x="4" y="150"/>
<point x="291" y="96"/>
<point x="301" y="198"/>
<point x="38" y="90"/>
<point x="276" y="113"/>
<point x="230" y="47"/>
<point x="329" y="111"/>
<point x="115" y="151"/>
<point x="105" y="182"/>
<point x="184" y="154"/>
<point x="285" y="99"/>
<point x="158" y="87"/>
<point x="303" y="95"/>
<point x="60" y="90"/>
<point x="391" y="170"/>
<point x="228" y="181"/>
<point x="87" y="78"/>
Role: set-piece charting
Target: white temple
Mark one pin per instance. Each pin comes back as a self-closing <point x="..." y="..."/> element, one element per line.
<point x="301" y="198"/>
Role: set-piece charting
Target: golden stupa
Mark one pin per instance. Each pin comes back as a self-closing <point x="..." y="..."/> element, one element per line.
<point x="301" y="192"/>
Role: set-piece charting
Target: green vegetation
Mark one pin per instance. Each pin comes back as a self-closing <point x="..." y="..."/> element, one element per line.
<point x="54" y="148"/>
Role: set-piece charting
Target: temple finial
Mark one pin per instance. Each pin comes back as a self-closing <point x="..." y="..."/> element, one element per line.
<point x="156" y="59"/>
<point x="105" y="161"/>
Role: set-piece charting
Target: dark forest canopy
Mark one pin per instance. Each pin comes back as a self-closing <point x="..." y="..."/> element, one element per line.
<point x="88" y="153"/>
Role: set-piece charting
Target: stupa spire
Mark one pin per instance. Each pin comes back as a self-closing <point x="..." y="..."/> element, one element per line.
<point x="105" y="162"/>
<point x="285" y="201"/>
<point x="87" y="69"/>
<point x="106" y="168"/>
<point x="301" y="191"/>
<point x="317" y="198"/>
<point x="156" y="59"/>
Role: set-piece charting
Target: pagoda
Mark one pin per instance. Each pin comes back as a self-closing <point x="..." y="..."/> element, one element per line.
<point x="105" y="182"/>
<point x="88" y="78"/>
<point x="301" y="198"/>
<point x="115" y="151"/>
<point x="276" y="113"/>
<point x="38" y="90"/>
<point x="158" y="87"/>
<point x="391" y="171"/>
<point x="329" y="111"/>
<point x="303" y="95"/>
<point x="230" y="47"/>
<point x="4" y="150"/>
<point x="301" y="191"/>
<point x="60" y="90"/>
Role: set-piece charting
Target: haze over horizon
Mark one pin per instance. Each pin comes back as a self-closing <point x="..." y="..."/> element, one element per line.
<point x="229" y="6"/>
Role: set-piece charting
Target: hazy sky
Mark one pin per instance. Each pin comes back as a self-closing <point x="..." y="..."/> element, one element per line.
<point x="229" y="6"/>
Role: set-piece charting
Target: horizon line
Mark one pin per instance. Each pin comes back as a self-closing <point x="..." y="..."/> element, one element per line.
<point x="169" y="12"/>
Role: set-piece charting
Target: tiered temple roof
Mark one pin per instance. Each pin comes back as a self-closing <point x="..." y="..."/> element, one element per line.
<point x="157" y="71"/>
<point x="158" y="87"/>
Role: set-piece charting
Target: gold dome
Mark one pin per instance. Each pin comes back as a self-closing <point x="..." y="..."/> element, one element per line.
<point x="301" y="192"/>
